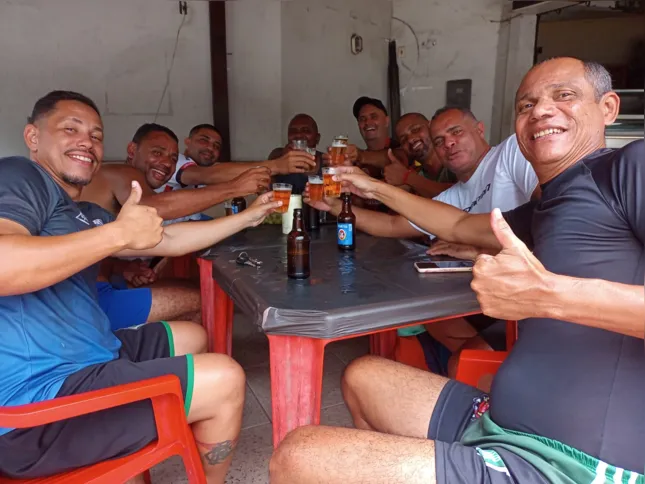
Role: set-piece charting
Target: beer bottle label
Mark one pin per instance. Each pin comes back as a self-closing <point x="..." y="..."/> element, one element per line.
<point x="345" y="234"/>
<point x="235" y="209"/>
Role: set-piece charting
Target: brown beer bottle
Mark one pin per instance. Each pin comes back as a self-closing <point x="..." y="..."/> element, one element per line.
<point x="298" y="248"/>
<point x="346" y="226"/>
<point x="238" y="204"/>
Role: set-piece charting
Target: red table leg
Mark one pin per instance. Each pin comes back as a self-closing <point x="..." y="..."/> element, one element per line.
<point x="217" y="311"/>
<point x="383" y="344"/>
<point x="296" y="382"/>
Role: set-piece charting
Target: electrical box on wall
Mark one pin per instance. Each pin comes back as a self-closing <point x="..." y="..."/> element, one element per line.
<point x="459" y="93"/>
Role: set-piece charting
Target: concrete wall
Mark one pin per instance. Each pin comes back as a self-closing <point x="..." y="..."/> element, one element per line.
<point x="117" y="53"/>
<point x="606" y="40"/>
<point x="253" y="42"/>
<point x="291" y="57"/>
<point x="456" y="39"/>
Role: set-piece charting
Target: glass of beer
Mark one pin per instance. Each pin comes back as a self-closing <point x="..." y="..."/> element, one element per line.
<point x="315" y="188"/>
<point x="331" y="188"/>
<point x="282" y="193"/>
<point x="338" y="150"/>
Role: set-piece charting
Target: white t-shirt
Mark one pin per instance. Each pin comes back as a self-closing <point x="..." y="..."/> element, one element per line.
<point x="504" y="179"/>
<point x="173" y="184"/>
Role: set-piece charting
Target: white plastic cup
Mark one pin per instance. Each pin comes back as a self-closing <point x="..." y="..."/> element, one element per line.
<point x="287" y="218"/>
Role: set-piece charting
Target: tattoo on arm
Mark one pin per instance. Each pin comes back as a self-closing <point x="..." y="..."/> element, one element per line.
<point x="217" y="453"/>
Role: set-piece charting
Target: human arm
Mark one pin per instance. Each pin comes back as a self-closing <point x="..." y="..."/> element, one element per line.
<point x="183" y="238"/>
<point x="31" y="262"/>
<point x="459" y="251"/>
<point x="180" y="203"/>
<point x="399" y="174"/>
<point x="292" y="161"/>
<point x="514" y="285"/>
<point x="374" y="223"/>
<point x="444" y="221"/>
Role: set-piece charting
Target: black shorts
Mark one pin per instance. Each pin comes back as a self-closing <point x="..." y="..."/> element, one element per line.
<point x="146" y="352"/>
<point x="459" y="464"/>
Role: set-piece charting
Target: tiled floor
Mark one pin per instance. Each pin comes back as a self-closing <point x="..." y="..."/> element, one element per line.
<point x="251" y="350"/>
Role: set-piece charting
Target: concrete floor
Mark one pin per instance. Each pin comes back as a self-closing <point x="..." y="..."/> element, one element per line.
<point x="251" y="350"/>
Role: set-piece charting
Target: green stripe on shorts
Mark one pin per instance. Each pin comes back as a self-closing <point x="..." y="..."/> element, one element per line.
<point x="190" y="381"/>
<point x="171" y="340"/>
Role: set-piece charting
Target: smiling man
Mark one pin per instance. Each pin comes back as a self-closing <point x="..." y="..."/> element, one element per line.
<point x="413" y="133"/>
<point x="55" y="339"/>
<point x="488" y="177"/>
<point x="567" y="405"/>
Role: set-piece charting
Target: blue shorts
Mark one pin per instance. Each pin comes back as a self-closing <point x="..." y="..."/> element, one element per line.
<point x="125" y="307"/>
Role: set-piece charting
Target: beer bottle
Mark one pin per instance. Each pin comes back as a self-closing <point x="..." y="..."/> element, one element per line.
<point x="346" y="226"/>
<point x="298" y="248"/>
<point x="238" y="204"/>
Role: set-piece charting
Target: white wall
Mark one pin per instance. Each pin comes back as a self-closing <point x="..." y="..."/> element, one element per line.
<point x="320" y="75"/>
<point x="253" y="43"/>
<point x="117" y="53"/>
<point x="457" y="40"/>
<point x="291" y="57"/>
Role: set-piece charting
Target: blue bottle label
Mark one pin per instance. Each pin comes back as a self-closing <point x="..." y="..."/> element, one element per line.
<point x="235" y="209"/>
<point x="345" y="234"/>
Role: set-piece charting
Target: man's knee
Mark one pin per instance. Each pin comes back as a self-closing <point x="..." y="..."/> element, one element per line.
<point x="290" y="454"/>
<point x="189" y="337"/>
<point x="223" y="374"/>
<point x="359" y="370"/>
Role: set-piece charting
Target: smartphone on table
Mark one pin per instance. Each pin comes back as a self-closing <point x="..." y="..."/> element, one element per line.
<point x="442" y="265"/>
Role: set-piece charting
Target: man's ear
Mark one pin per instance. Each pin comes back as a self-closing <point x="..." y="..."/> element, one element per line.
<point x="610" y="105"/>
<point x="387" y="121"/>
<point x="31" y="134"/>
<point x="481" y="129"/>
<point x="132" y="150"/>
<point x="187" y="142"/>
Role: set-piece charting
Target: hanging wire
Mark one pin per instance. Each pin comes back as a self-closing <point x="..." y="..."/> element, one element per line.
<point x="172" y="63"/>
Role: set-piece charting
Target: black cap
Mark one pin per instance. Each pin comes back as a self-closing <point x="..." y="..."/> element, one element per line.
<point x="364" y="101"/>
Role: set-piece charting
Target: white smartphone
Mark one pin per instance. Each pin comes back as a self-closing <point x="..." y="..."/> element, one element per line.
<point x="444" y="266"/>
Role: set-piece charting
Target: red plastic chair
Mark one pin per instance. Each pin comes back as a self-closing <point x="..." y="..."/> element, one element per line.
<point x="174" y="434"/>
<point x="475" y="364"/>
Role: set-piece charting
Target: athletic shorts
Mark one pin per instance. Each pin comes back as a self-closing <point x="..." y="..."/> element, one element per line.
<point x="124" y="307"/>
<point x="459" y="405"/>
<point x="146" y="352"/>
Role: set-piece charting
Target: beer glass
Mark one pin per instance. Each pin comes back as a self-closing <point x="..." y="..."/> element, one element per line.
<point x="331" y="188"/>
<point x="282" y="192"/>
<point x="315" y="188"/>
<point x="338" y="150"/>
<point x="299" y="144"/>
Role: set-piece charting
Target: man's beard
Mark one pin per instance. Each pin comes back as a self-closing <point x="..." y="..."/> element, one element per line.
<point x="76" y="181"/>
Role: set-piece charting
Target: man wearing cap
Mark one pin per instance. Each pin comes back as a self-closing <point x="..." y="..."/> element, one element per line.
<point x="373" y="124"/>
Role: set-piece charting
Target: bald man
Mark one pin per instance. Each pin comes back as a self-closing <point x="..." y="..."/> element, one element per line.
<point x="301" y="127"/>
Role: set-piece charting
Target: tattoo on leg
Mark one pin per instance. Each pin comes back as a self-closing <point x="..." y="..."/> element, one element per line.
<point x="218" y="453"/>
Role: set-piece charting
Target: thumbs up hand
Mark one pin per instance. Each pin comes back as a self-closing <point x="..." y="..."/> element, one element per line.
<point x="396" y="173"/>
<point x="140" y="224"/>
<point x="513" y="284"/>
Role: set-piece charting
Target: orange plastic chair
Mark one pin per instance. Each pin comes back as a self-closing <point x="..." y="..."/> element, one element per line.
<point x="174" y="434"/>
<point x="475" y="364"/>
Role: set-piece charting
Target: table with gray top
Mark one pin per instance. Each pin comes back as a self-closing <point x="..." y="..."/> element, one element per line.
<point x="371" y="291"/>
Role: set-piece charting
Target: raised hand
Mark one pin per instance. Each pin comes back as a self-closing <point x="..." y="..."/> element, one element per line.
<point x="140" y="224"/>
<point x="294" y="161"/>
<point x="356" y="181"/>
<point x="259" y="209"/>
<point x="252" y="181"/>
<point x="396" y="172"/>
<point x="512" y="285"/>
<point x="324" y="205"/>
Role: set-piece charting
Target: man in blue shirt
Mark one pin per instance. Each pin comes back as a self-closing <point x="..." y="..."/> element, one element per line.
<point x="54" y="338"/>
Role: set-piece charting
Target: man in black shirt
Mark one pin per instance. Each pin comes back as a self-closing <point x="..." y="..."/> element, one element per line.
<point x="567" y="405"/>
